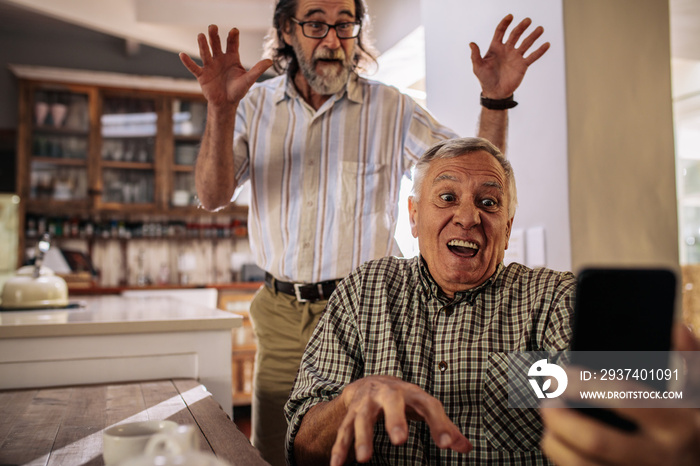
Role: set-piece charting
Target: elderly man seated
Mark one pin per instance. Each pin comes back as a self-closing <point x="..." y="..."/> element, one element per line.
<point x="408" y="364"/>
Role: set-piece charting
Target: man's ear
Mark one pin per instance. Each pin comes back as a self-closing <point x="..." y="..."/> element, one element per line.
<point x="509" y="229"/>
<point x="413" y="215"/>
<point x="287" y="32"/>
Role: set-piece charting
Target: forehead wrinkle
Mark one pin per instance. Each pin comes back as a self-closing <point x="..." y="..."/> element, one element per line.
<point x="322" y="11"/>
<point x="448" y="177"/>
<point x="443" y="177"/>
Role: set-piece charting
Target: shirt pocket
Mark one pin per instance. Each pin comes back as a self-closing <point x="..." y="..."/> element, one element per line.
<point x="505" y="428"/>
<point x="364" y="188"/>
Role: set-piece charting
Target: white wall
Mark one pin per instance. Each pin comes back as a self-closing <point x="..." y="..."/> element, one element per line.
<point x="537" y="142"/>
<point x="392" y="20"/>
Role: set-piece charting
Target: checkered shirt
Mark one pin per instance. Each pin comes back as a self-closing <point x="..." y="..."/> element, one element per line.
<point x="389" y="317"/>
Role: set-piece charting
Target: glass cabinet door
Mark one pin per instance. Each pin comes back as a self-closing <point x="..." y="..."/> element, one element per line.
<point x="189" y="117"/>
<point x="59" y="146"/>
<point x="689" y="210"/>
<point x="687" y="128"/>
<point x="128" y="130"/>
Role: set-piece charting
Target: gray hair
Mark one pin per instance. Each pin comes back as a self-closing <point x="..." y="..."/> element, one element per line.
<point x="450" y="148"/>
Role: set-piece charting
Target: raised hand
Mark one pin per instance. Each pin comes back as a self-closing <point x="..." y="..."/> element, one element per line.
<point x="503" y="68"/>
<point x="377" y="396"/>
<point x="222" y="77"/>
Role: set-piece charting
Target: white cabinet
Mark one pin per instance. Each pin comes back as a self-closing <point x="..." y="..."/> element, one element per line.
<point x="119" y="339"/>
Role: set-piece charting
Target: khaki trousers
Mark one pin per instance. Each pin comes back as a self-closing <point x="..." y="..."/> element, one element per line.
<point x="283" y="326"/>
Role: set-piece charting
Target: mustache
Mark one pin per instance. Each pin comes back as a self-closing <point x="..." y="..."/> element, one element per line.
<point x="328" y="54"/>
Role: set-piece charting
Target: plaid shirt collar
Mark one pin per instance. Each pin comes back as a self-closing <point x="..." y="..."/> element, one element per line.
<point x="432" y="289"/>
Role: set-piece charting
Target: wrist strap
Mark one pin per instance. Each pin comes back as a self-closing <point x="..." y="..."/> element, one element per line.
<point x="498" y="104"/>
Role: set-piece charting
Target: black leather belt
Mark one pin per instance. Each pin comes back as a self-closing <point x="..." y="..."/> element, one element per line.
<point x="303" y="291"/>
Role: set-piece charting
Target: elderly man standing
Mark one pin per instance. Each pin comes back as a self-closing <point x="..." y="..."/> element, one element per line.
<point x="418" y="346"/>
<point x="325" y="151"/>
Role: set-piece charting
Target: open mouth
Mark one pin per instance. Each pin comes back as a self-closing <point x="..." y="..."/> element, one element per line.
<point x="463" y="248"/>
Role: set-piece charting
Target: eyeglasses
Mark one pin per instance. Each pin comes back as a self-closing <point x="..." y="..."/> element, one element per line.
<point x="319" y="30"/>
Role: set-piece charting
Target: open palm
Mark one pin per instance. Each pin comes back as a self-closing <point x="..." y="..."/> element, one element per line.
<point x="501" y="70"/>
<point x="222" y="77"/>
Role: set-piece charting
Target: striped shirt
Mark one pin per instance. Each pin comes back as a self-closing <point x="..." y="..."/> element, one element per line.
<point x="325" y="184"/>
<point x="389" y="318"/>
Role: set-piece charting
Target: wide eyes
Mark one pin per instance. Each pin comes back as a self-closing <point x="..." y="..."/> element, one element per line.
<point x="486" y="202"/>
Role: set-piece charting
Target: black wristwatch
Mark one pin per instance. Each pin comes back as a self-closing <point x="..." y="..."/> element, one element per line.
<point x="498" y="104"/>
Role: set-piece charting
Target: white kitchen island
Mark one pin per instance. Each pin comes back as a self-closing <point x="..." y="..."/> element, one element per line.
<point x="118" y="339"/>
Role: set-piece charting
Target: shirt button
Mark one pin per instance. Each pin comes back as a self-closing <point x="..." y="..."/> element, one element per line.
<point x="442" y="366"/>
<point x="448" y="310"/>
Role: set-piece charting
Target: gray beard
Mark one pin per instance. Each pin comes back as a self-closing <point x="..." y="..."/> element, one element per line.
<point x="323" y="84"/>
<point x="326" y="85"/>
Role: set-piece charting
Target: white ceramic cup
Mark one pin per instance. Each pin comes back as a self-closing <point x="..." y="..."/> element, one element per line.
<point x="125" y="441"/>
<point x="177" y="441"/>
<point x="176" y="447"/>
<point x="192" y="458"/>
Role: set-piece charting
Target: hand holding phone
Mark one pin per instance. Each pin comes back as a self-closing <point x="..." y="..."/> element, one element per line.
<point x="622" y="310"/>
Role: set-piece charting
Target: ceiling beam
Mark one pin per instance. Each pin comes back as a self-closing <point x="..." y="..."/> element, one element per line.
<point x="248" y="14"/>
<point x="119" y="18"/>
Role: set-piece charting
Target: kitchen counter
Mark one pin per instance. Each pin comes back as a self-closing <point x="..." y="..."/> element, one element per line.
<point x="118" y="339"/>
<point x="102" y="290"/>
<point x="109" y="315"/>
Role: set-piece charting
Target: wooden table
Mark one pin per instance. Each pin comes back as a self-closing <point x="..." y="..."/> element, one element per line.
<point x="63" y="426"/>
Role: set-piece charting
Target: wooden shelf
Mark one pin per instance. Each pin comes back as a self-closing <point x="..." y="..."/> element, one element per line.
<point x="60" y="131"/>
<point x="187" y="137"/>
<point x="64" y="161"/>
<point x="51" y="207"/>
<point x="127" y="165"/>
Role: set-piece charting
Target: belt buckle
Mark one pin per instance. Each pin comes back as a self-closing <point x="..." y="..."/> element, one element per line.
<point x="297" y="292"/>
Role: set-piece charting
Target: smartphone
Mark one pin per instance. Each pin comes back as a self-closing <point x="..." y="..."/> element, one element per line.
<point x="622" y="310"/>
